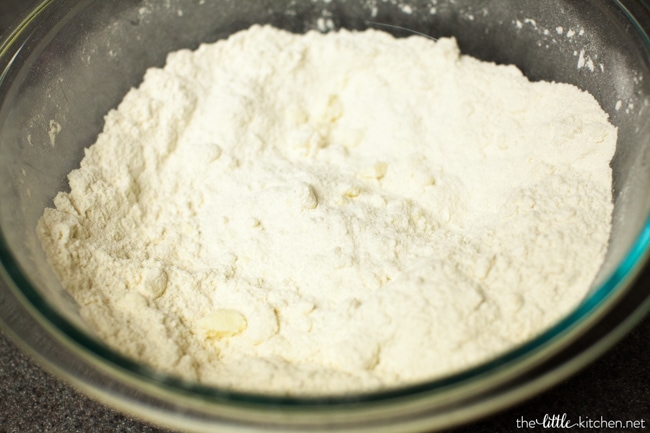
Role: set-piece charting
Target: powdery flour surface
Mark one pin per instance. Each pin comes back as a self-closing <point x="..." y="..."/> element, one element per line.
<point x="329" y="213"/>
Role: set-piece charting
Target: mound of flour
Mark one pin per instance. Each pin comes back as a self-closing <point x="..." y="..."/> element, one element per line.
<point x="327" y="213"/>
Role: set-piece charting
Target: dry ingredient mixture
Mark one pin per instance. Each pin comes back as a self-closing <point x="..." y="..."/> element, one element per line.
<point x="327" y="213"/>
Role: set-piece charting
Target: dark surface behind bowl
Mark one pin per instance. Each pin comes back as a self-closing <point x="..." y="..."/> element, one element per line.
<point x="616" y="387"/>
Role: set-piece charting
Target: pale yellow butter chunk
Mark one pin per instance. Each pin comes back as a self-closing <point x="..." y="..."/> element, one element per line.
<point x="222" y="323"/>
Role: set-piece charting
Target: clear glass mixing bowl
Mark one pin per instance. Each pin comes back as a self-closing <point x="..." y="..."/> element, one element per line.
<point x="70" y="61"/>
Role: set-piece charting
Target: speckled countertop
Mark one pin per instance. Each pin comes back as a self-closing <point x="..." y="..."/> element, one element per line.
<point x="615" y="387"/>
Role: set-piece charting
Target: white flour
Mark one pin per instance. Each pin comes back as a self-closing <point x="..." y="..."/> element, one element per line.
<point x="325" y="213"/>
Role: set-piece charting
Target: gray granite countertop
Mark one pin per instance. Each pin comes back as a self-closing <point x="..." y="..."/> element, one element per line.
<point x="617" y="386"/>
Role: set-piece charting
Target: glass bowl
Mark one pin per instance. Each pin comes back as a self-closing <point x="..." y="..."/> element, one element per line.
<point x="70" y="61"/>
